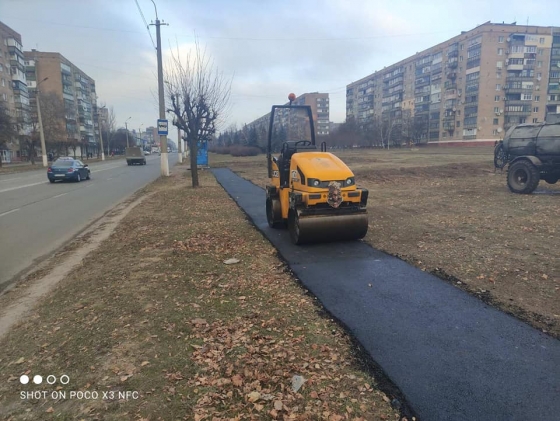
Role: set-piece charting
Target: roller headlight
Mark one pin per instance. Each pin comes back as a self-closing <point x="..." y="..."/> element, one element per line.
<point x="349" y="181"/>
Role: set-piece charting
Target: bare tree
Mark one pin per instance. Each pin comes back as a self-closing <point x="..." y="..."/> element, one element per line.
<point x="53" y="115"/>
<point x="7" y="127"/>
<point x="110" y="126"/>
<point x="54" y="121"/>
<point x="198" y="94"/>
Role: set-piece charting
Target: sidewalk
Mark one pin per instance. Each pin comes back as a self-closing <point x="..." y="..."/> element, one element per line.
<point x="155" y="325"/>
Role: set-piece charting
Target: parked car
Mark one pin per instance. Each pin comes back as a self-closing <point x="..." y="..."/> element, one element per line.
<point x="67" y="168"/>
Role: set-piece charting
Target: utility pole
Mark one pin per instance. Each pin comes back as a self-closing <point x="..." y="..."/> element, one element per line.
<point x="100" y="132"/>
<point x="41" y="133"/>
<point x="162" y="138"/>
<point x="179" y="141"/>
<point x="126" y="127"/>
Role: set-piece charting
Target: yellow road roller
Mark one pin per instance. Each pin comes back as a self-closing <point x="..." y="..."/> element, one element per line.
<point x="311" y="191"/>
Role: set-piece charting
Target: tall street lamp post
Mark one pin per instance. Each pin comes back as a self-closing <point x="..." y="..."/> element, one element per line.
<point x="126" y="126"/>
<point x="140" y="136"/>
<point x="41" y="133"/>
<point x="100" y="132"/>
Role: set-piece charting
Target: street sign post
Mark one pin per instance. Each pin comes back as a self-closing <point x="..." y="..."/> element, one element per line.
<point x="162" y="126"/>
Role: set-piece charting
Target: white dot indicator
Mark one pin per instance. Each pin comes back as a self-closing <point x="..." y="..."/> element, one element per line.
<point x="51" y="379"/>
<point x="37" y="379"/>
<point x="64" y="379"/>
<point x="24" y="379"/>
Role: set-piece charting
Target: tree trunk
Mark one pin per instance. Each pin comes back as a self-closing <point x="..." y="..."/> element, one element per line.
<point x="194" y="167"/>
<point x="31" y="152"/>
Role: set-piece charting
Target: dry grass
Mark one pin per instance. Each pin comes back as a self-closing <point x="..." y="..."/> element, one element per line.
<point x="447" y="212"/>
<point x="155" y="310"/>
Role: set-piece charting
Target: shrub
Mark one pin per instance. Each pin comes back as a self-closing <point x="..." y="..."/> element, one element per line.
<point x="244" y="150"/>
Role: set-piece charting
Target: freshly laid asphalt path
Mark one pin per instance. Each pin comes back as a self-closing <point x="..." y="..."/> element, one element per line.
<point x="452" y="356"/>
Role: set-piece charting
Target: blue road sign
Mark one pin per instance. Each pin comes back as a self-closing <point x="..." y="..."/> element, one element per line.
<point x="162" y="127"/>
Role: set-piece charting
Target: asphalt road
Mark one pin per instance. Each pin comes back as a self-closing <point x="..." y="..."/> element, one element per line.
<point x="452" y="356"/>
<point x="36" y="217"/>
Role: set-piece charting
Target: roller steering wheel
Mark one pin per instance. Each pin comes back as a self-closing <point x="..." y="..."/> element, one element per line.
<point x="303" y="143"/>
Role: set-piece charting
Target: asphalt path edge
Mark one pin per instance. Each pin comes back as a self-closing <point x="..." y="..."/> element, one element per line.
<point x="362" y="358"/>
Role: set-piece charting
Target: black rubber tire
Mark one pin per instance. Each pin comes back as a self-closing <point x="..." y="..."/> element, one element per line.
<point x="500" y="157"/>
<point x="274" y="213"/>
<point x="52" y="181"/>
<point x="88" y="176"/>
<point x="550" y="179"/>
<point x="78" y="179"/>
<point x="293" y="227"/>
<point x="523" y="177"/>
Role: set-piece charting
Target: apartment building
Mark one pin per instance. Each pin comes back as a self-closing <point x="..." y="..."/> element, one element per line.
<point x="75" y="88"/>
<point x="13" y="89"/>
<point x="319" y="104"/>
<point x="473" y="86"/>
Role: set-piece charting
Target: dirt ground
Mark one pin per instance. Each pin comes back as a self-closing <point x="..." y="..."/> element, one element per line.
<point x="446" y="211"/>
<point x="159" y="327"/>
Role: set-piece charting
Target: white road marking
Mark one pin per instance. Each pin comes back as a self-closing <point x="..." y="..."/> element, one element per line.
<point x="21" y="187"/>
<point x="5" y="213"/>
<point x="58" y="195"/>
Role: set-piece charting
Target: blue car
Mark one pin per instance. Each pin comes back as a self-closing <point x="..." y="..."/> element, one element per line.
<point x="67" y="168"/>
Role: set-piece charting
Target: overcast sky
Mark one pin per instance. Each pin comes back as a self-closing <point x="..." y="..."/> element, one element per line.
<point x="270" y="48"/>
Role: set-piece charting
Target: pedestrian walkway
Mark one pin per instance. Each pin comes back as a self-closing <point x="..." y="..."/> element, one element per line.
<point x="453" y="357"/>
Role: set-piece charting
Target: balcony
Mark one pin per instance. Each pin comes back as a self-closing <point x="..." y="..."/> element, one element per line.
<point x="519" y="78"/>
<point x="518" y="113"/>
<point x="514" y="67"/>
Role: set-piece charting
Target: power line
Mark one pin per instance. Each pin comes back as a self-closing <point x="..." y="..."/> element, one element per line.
<point x="145" y="23"/>
<point x="240" y="38"/>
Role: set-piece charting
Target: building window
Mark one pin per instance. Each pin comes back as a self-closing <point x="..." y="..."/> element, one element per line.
<point x="499" y="64"/>
<point x="495" y="122"/>
<point x="535" y="120"/>
<point x="541" y="40"/>
<point x="539" y="63"/>
<point x="540" y="51"/>
<point x="498" y="75"/>
<point x="460" y="58"/>
<point x="495" y="132"/>
<point x="500" y="51"/>
<point x="497" y="98"/>
<point x="536" y="109"/>
<point x="3" y="82"/>
<point x="497" y="109"/>
<point x="458" y="124"/>
<point x="537" y="98"/>
<point x="501" y="39"/>
<point x="498" y="87"/>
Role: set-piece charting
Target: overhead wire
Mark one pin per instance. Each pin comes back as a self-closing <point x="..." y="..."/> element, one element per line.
<point x="145" y="23"/>
<point x="237" y="38"/>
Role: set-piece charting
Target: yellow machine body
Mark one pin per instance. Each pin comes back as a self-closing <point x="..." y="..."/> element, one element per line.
<point x="311" y="191"/>
<point x="322" y="166"/>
